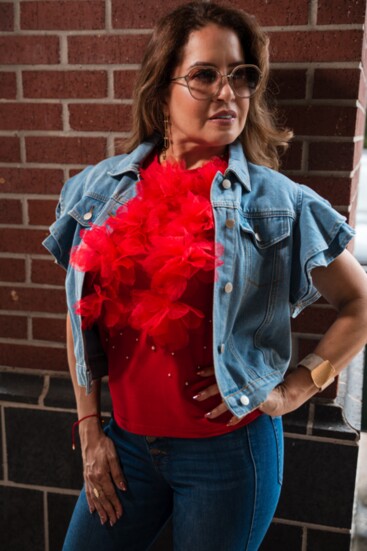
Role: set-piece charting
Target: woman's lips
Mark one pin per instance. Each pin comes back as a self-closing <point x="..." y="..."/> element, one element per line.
<point x="223" y="116"/>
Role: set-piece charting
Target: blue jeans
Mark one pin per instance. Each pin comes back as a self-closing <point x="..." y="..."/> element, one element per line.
<point x="221" y="492"/>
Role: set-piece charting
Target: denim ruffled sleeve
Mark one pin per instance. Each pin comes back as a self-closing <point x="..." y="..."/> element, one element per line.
<point x="61" y="232"/>
<point x="320" y="235"/>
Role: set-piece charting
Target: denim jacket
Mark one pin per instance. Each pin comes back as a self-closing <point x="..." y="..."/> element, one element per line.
<point x="274" y="233"/>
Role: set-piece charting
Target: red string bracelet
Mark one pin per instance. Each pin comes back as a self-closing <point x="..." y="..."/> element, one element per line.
<point x="77" y="423"/>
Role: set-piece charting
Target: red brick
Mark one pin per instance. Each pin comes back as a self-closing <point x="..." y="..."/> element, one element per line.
<point x="336" y="83"/>
<point x="107" y="49"/>
<point x="360" y="123"/>
<point x="67" y="15"/>
<point x="12" y="269"/>
<point x="305" y="46"/>
<point x="49" y="329"/>
<point x="64" y="84"/>
<point x="144" y="14"/>
<point x="17" y="240"/>
<point x="33" y="299"/>
<point x="124" y="83"/>
<point x="271" y="12"/>
<point x="287" y="84"/>
<point x="340" y="12"/>
<point x="336" y="190"/>
<point x="42" y="149"/>
<point x="47" y="271"/>
<point x="321" y="120"/>
<point x="13" y="327"/>
<point x="8" y="85"/>
<point x="41" y="212"/>
<point x="31" y="116"/>
<point x="9" y="149"/>
<point x="33" y="357"/>
<point x="6" y="17"/>
<point x="30" y="180"/>
<point x="331" y="156"/>
<point x="87" y="117"/>
<point x="314" y="320"/>
<point x="74" y="172"/>
<point x="10" y="211"/>
<point x="362" y="92"/>
<point x="292" y="158"/>
<point x="29" y="50"/>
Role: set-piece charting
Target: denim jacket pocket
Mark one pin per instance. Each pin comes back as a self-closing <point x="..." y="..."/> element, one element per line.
<point x="265" y="229"/>
<point x="266" y="239"/>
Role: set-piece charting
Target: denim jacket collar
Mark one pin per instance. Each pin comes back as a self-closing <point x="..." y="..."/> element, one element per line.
<point x="237" y="162"/>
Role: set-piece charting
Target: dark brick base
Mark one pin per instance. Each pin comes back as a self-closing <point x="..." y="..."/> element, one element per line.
<point x="43" y="475"/>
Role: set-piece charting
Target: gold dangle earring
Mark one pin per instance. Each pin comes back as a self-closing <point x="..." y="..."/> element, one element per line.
<point x="165" y="137"/>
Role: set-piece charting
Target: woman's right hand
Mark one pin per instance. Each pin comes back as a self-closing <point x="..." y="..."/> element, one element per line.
<point x="102" y="471"/>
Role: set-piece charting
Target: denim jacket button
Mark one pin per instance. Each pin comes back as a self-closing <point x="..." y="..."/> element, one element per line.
<point x="221" y="348"/>
<point x="88" y="215"/>
<point x="244" y="400"/>
<point x="228" y="287"/>
<point x="226" y="183"/>
<point x="230" y="223"/>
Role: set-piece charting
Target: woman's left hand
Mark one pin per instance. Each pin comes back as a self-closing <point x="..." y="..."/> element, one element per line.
<point x="296" y="389"/>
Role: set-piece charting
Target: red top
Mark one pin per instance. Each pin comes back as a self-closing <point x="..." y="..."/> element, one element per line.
<point x="164" y="330"/>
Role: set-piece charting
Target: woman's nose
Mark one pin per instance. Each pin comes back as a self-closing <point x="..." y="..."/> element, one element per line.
<point x="225" y="91"/>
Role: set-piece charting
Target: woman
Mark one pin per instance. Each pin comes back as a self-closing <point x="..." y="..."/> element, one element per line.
<point x="196" y="252"/>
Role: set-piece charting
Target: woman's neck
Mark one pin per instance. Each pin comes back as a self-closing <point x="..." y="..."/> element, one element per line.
<point x="193" y="158"/>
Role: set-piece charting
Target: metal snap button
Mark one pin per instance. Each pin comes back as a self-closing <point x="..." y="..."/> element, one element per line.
<point x="226" y="183"/>
<point x="244" y="400"/>
<point x="88" y="215"/>
<point x="228" y="287"/>
<point x="230" y="223"/>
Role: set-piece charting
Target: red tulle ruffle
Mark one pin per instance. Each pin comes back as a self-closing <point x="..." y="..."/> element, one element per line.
<point x="141" y="260"/>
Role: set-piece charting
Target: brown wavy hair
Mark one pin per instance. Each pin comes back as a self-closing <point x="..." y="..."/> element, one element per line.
<point x="262" y="140"/>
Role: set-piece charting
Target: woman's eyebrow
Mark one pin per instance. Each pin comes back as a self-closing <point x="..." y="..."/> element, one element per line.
<point x="208" y="64"/>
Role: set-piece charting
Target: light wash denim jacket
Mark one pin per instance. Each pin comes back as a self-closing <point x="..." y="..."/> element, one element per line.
<point x="274" y="233"/>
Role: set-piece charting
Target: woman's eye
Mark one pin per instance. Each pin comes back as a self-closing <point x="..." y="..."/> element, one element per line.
<point x="204" y="75"/>
<point x="241" y="75"/>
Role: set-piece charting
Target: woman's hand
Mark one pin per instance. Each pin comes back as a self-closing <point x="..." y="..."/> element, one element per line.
<point x="296" y="389"/>
<point x="101" y="471"/>
<point x="213" y="390"/>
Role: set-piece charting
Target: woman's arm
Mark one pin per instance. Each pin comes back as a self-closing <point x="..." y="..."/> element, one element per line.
<point x="344" y="285"/>
<point x="100" y="461"/>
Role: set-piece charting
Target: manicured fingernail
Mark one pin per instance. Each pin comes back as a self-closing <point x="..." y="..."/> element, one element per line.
<point x="102" y="520"/>
<point x="111" y="523"/>
<point x="196" y="396"/>
<point x="200" y="372"/>
<point x="91" y="510"/>
<point x="208" y="414"/>
<point x="122" y="486"/>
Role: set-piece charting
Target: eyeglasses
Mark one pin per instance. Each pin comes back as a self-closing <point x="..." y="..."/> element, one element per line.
<point x="206" y="82"/>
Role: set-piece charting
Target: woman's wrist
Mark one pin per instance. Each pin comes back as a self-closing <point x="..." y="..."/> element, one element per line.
<point x="300" y="385"/>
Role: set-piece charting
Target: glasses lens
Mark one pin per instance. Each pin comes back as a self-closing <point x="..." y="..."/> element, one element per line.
<point x="245" y="80"/>
<point x="203" y="82"/>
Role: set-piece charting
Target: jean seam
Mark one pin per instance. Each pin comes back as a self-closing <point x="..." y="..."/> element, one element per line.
<point x="278" y="445"/>
<point x="255" y="489"/>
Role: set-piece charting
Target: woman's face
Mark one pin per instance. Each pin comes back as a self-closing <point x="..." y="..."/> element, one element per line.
<point x="206" y="125"/>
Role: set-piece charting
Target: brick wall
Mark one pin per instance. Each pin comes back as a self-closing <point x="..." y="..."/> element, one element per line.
<point x="66" y="77"/>
<point x="67" y="69"/>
